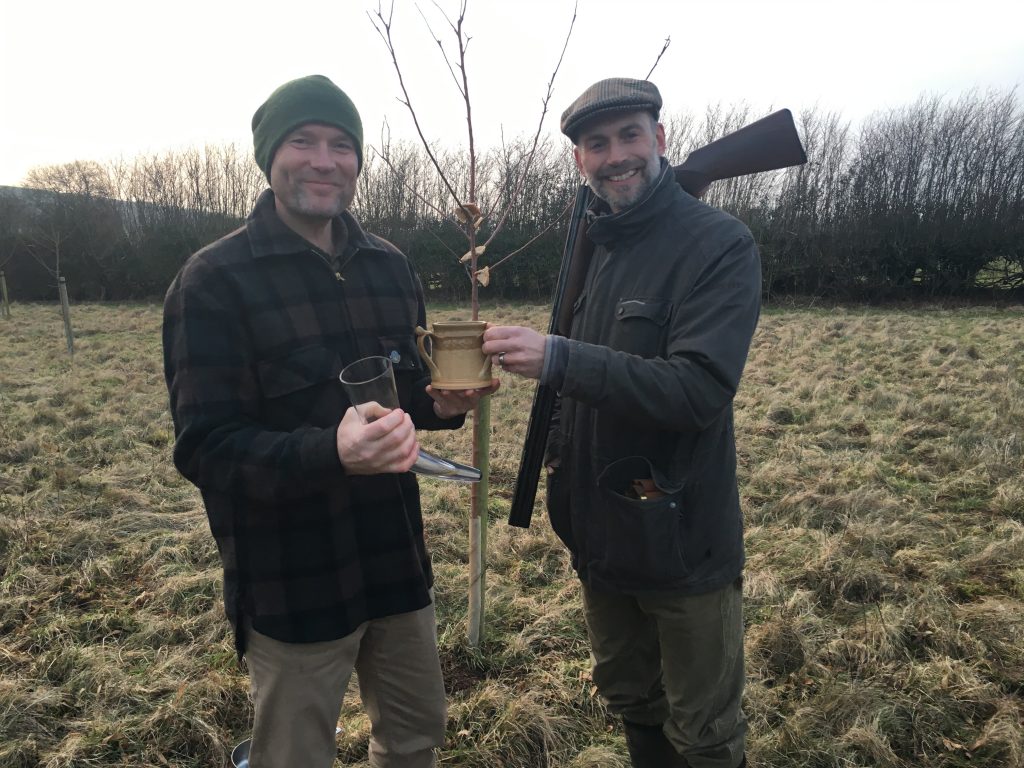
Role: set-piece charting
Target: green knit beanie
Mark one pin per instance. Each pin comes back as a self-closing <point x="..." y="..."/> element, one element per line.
<point x="311" y="99"/>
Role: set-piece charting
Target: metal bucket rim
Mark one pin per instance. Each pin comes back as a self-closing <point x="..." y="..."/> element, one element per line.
<point x="240" y="753"/>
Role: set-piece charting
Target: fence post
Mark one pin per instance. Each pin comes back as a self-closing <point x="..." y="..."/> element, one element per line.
<point x="65" y="310"/>
<point x="3" y="294"/>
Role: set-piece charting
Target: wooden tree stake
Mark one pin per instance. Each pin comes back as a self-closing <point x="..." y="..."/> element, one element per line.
<point x="3" y="295"/>
<point x="65" y="310"/>
<point x="478" y="524"/>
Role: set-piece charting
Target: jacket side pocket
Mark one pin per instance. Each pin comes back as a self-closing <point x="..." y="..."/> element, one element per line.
<point x="643" y="546"/>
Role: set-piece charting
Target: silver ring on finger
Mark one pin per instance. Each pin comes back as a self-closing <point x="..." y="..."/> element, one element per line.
<point x="501" y="359"/>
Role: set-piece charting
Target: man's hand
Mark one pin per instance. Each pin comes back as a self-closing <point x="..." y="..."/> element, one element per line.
<point x="449" y="403"/>
<point x="517" y="349"/>
<point x="385" y="445"/>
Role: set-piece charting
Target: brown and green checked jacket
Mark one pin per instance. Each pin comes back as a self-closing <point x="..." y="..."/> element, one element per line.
<point x="257" y="327"/>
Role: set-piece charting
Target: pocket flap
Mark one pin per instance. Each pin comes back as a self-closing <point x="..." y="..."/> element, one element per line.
<point x="402" y="352"/>
<point x="655" y="310"/>
<point x="299" y="369"/>
<point x="618" y="476"/>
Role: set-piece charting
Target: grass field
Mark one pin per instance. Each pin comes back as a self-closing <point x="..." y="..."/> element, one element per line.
<point x="882" y="473"/>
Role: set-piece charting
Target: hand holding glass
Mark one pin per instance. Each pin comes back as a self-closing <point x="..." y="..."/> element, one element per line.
<point x="371" y="381"/>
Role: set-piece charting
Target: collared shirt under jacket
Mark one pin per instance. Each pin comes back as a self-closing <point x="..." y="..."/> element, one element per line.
<point x="257" y="327"/>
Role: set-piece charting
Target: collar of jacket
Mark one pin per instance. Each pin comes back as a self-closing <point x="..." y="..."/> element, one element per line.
<point x="607" y="227"/>
<point x="269" y="236"/>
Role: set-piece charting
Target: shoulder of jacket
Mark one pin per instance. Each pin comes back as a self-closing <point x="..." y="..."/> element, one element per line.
<point x="386" y="246"/>
<point x="211" y="259"/>
<point x="226" y="250"/>
<point x="704" y="220"/>
<point x="704" y="226"/>
<point x="703" y="233"/>
<point x="379" y="243"/>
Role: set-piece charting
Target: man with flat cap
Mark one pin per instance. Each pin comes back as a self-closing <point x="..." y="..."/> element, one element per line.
<point x="315" y="513"/>
<point x="641" y="457"/>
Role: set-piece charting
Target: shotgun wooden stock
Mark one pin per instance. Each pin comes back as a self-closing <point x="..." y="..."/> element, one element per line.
<point x="765" y="145"/>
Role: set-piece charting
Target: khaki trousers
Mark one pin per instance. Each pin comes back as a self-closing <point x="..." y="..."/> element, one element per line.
<point x="298" y="690"/>
<point x="675" y="661"/>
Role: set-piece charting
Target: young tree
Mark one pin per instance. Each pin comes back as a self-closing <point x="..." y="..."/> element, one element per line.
<point x="479" y="224"/>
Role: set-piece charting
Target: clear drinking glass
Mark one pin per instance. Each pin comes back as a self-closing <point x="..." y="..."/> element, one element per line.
<point x="372" y="380"/>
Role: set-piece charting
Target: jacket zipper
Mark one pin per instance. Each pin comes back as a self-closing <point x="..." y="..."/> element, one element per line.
<point x="327" y="263"/>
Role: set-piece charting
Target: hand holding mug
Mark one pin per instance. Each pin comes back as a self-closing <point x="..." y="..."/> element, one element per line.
<point x="518" y="350"/>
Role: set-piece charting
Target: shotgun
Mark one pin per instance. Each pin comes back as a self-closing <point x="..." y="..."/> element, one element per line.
<point x="765" y="145"/>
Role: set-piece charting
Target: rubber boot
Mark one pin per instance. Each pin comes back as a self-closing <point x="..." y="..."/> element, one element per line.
<point x="648" y="747"/>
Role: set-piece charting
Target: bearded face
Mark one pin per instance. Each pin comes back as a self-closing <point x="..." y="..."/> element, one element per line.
<point x="314" y="172"/>
<point x="620" y="157"/>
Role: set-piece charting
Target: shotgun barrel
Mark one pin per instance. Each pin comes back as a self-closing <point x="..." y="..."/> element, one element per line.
<point x="544" y="396"/>
<point x="765" y="145"/>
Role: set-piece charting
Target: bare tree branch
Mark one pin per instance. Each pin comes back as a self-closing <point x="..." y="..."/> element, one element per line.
<point x="536" y="137"/>
<point x="401" y="177"/>
<point x="462" y="15"/>
<point x="443" y="243"/>
<point x="31" y="250"/>
<point x="386" y="37"/>
<point x="462" y="41"/>
<point x="463" y="45"/>
<point x="526" y="245"/>
<point x="444" y="54"/>
<point x="470" y="225"/>
<point x="668" y="42"/>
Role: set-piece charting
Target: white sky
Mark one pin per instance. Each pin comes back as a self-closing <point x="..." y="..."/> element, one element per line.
<point x="105" y="78"/>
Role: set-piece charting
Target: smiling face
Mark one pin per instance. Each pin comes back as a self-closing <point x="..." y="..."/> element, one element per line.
<point x="313" y="175"/>
<point x="620" y="156"/>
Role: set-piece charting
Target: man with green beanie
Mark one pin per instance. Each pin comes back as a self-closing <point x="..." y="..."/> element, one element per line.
<point x="315" y="513"/>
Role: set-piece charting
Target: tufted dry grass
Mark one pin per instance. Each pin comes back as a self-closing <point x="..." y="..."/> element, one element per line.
<point x="882" y="472"/>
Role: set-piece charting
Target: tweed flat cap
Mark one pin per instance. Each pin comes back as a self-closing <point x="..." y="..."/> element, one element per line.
<point x="616" y="94"/>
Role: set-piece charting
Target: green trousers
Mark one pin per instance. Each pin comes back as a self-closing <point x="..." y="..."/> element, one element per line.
<point x="674" y="660"/>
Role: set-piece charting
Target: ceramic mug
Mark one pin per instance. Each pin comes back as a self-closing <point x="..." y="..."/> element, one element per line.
<point x="456" y="359"/>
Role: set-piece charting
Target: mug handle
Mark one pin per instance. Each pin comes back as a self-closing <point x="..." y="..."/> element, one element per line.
<point x="421" y="335"/>
<point x="483" y="374"/>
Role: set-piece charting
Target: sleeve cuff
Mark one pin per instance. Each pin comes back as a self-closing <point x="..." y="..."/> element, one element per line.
<point x="320" y="451"/>
<point x="556" y="361"/>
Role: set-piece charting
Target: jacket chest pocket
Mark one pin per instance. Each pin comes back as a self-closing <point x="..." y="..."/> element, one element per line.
<point x="639" y="326"/>
<point x="296" y="387"/>
<point x="401" y="350"/>
<point x="405" y="360"/>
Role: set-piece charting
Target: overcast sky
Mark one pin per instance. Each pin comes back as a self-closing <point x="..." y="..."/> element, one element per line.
<point x="101" y="79"/>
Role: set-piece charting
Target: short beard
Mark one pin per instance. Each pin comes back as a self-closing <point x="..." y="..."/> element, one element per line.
<point x="310" y="207"/>
<point x="649" y="174"/>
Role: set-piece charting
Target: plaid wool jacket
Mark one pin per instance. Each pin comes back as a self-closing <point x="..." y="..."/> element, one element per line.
<point x="257" y="327"/>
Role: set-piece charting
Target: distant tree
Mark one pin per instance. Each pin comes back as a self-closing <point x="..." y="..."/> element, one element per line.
<point x="926" y="199"/>
<point x="80" y="233"/>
